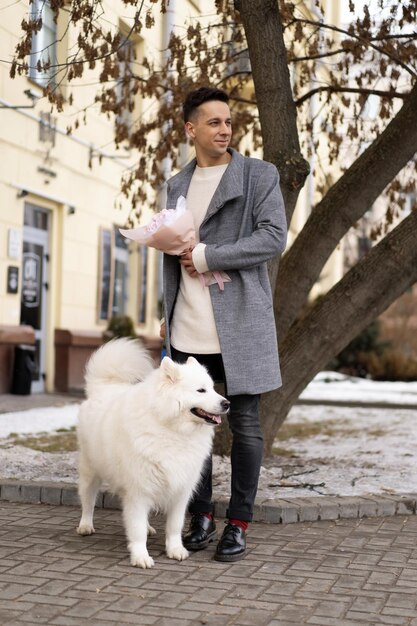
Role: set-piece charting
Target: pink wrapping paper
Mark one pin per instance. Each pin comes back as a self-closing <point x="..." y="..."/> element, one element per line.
<point x="171" y="238"/>
<point x="172" y="231"/>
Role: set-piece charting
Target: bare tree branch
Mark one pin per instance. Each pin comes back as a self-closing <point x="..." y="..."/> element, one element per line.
<point x="329" y="53"/>
<point x="340" y="89"/>
<point x="344" y="203"/>
<point x="362" y="40"/>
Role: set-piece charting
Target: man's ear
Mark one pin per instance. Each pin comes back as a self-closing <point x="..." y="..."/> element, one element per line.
<point x="171" y="370"/>
<point x="189" y="130"/>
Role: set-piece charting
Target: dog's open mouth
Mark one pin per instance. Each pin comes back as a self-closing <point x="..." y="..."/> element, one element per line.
<point x="210" y="418"/>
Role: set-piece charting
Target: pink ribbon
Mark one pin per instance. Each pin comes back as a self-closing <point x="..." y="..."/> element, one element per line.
<point x="217" y="277"/>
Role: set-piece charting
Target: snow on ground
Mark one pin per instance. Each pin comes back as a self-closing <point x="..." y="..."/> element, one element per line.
<point x="356" y="451"/>
<point x="38" y="420"/>
<point x="328" y="450"/>
<point x="332" y="386"/>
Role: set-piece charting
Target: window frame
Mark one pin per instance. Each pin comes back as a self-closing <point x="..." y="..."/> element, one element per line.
<point x="142" y="285"/>
<point x="137" y="263"/>
<point x="41" y="49"/>
<point x="103" y="231"/>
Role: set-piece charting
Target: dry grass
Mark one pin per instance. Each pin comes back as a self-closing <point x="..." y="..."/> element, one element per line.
<point x="286" y="452"/>
<point x="63" y="440"/>
<point x="329" y="428"/>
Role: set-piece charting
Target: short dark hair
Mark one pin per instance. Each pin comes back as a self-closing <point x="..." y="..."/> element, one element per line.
<point x="197" y="97"/>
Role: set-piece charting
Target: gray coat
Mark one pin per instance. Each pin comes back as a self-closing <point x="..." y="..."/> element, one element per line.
<point x="244" y="226"/>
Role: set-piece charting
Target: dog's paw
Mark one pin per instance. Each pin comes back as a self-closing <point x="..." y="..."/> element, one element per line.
<point x="141" y="560"/>
<point x="139" y="556"/>
<point x="151" y="530"/>
<point x="85" y="529"/>
<point x="178" y="552"/>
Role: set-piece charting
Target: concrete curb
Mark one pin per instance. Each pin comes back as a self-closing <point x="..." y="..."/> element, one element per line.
<point x="277" y="511"/>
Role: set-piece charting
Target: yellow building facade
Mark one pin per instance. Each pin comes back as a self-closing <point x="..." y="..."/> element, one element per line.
<point x="64" y="268"/>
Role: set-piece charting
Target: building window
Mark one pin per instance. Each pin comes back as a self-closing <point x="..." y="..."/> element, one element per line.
<point x="121" y="263"/>
<point x="143" y="284"/>
<point x="113" y="274"/>
<point x="124" y="90"/>
<point x="364" y="245"/>
<point x="122" y="277"/>
<point x="43" y="45"/>
<point x="105" y="275"/>
<point x="128" y="103"/>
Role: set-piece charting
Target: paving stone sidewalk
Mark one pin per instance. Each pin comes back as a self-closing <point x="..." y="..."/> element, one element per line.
<point x="338" y="573"/>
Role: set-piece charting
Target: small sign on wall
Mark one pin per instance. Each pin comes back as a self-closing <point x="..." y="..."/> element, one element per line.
<point x="15" y="243"/>
<point x="12" y="279"/>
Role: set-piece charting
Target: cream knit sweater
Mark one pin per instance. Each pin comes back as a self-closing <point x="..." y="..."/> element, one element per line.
<point x="193" y="328"/>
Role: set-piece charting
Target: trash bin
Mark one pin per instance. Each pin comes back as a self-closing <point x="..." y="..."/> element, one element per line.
<point x="24" y="370"/>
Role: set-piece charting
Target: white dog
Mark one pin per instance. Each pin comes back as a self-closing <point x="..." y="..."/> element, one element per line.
<point x="146" y="433"/>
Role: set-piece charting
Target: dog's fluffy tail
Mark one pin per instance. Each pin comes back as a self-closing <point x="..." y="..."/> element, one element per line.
<point x="118" y="361"/>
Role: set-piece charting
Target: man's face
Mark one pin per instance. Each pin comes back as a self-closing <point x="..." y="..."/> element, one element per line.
<point x="211" y="129"/>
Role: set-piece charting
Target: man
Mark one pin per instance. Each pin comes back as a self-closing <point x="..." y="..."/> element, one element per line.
<point x="240" y="223"/>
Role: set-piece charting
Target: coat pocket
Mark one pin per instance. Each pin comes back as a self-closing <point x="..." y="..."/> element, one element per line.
<point x="259" y="289"/>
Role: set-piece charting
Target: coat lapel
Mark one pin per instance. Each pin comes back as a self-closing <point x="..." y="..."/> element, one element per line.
<point x="230" y="186"/>
<point x="178" y="184"/>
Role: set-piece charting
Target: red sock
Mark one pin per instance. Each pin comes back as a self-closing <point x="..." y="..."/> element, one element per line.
<point x="208" y="515"/>
<point x="238" y="522"/>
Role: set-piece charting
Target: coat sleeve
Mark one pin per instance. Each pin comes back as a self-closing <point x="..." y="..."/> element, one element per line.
<point x="269" y="234"/>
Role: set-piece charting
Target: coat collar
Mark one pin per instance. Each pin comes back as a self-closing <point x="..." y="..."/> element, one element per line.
<point x="230" y="186"/>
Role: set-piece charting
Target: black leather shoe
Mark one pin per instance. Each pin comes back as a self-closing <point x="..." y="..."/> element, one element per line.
<point x="202" y="530"/>
<point x="232" y="545"/>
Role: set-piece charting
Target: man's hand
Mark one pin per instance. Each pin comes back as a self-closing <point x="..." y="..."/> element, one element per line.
<point x="186" y="260"/>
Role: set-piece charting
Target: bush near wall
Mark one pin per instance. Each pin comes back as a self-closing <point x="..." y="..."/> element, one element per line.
<point x="368" y="356"/>
<point x="119" y="326"/>
<point x="391" y="365"/>
<point x="351" y="360"/>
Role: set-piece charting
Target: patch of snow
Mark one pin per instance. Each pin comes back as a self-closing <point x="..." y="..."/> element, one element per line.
<point x="38" y="420"/>
<point x="333" y="386"/>
<point x="360" y="451"/>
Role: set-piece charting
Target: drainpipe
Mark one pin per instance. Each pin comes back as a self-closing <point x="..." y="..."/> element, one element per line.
<point x="168" y="26"/>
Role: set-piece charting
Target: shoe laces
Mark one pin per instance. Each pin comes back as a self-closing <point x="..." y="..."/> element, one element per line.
<point x="233" y="528"/>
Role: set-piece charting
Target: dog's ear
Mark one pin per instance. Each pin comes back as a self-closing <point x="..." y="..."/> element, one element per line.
<point x="192" y="361"/>
<point x="170" y="369"/>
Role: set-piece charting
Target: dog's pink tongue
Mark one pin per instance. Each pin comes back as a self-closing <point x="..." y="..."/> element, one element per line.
<point x="217" y="419"/>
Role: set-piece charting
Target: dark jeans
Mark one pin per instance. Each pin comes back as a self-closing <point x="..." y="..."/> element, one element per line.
<point x="247" y="446"/>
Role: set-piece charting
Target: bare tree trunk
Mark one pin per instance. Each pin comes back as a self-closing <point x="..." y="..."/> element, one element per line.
<point x="364" y="293"/>
<point x="277" y="112"/>
<point x="347" y="201"/>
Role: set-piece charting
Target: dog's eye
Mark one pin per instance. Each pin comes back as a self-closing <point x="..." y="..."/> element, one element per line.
<point x="202" y="390"/>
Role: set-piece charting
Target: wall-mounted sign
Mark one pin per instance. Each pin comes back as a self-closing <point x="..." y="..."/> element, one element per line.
<point x="14" y="249"/>
<point x="31" y="280"/>
<point x="12" y="279"/>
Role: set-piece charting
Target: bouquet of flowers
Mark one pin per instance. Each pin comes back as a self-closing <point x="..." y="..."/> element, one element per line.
<point x="172" y="231"/>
